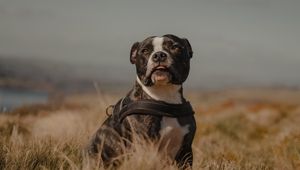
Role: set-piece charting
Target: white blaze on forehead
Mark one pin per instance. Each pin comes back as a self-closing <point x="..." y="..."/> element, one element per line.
<point x="157" y="44"/>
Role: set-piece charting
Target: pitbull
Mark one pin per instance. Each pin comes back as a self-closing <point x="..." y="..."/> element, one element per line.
<point x="155" y="107"/>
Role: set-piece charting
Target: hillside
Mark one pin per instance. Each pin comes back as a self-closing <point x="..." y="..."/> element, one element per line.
<point x="41" y="74"/>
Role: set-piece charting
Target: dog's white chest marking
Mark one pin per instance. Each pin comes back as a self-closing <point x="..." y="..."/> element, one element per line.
<point x="172" y="135"/>
<point x="171" y="132"/>
<point x="169" y="93"/>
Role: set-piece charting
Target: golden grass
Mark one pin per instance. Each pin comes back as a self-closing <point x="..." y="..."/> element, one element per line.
<point x="237" y="129"/>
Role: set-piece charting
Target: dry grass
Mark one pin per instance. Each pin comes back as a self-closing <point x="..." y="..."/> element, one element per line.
<point x="237" y="129"/>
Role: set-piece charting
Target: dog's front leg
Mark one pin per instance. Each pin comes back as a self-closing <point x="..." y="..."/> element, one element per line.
<point x="184" y="158"/>
<point x="106" y="145"/>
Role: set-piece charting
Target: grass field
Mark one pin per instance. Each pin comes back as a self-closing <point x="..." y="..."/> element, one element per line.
<point x="237" y="129"/>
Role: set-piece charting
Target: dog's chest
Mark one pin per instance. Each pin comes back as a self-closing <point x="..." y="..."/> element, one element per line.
<point x="172" y="134"/>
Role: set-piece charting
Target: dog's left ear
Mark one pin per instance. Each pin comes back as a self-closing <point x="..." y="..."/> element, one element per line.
<point x="133" y="52"/>
<point x="188" y="47"/>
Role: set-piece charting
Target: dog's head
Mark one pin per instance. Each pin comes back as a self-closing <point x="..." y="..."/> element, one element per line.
<point x="162" y="60"/>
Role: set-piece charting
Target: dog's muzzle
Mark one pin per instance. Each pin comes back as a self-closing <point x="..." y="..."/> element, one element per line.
<point x="159" y="57"/>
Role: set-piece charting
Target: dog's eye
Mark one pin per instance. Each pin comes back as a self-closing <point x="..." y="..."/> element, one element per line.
<point x="176" y="47"/>
<point x="145" y="51"/>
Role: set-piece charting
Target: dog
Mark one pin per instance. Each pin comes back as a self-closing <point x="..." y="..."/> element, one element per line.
<point x="155" y="107"/>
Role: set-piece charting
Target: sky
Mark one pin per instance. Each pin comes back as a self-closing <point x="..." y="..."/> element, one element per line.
<point x="235" y="42"/>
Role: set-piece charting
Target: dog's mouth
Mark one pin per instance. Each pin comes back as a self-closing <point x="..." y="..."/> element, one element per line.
<point x="160" y="68"/>
<point x="160" y="74"/>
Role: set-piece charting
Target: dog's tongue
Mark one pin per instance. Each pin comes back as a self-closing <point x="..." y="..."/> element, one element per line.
<point x="160" y="76"/>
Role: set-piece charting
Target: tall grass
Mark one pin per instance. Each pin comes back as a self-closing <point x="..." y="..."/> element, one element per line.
<point x="233" y="133"/>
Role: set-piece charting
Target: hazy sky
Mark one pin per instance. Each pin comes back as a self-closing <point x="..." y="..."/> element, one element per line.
<point x="235" y="42"/>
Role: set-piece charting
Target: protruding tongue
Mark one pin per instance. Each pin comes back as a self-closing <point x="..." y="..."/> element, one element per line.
<point x="160" y="76"/>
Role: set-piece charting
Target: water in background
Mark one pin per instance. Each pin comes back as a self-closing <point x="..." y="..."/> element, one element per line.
<point x="12" y="98"/>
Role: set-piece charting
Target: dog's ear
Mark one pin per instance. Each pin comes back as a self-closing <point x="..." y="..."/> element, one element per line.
<point x="133" y="52"/>
<point x="188" y="47"/>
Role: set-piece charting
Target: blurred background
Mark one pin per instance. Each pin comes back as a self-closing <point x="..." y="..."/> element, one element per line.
<point x="63" y="62"/>
<point x="49" y="48"/>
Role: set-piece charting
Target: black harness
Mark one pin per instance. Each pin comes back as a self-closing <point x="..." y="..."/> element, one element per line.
<point x="126" y="107"/>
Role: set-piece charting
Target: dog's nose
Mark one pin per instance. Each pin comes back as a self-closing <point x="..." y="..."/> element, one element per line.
<point x="159" y="56"/>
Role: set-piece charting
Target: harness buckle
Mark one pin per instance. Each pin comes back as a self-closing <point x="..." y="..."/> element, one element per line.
<point x="107" y="111"/>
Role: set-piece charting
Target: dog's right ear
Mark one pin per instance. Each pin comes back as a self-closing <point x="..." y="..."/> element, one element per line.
<point x="188" y="46"/>
<point x="133" y="52"/>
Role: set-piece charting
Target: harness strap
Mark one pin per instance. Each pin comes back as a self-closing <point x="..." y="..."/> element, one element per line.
<point x="126" y="108"/>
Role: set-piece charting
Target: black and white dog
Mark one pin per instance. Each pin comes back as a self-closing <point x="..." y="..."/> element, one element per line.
<point x="155" y="108"/>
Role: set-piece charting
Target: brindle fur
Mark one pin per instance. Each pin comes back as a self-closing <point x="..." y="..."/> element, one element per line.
<point x="110" y="139"/>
